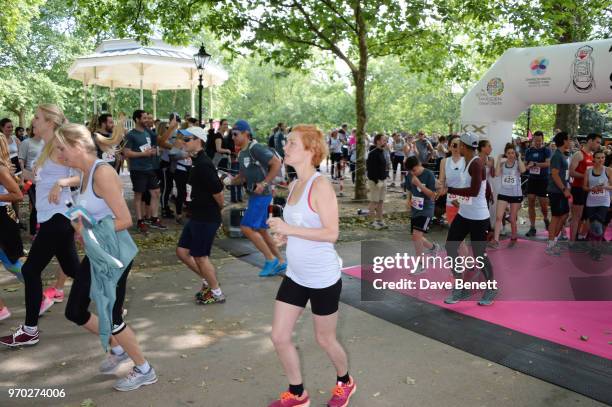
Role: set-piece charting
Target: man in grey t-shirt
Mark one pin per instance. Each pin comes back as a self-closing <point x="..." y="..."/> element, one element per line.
<point x="258" y="168"/>
<point x="558" y="192"/>
<point x="424" y="148"/>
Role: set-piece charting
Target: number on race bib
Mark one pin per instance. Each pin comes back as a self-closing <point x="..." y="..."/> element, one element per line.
<point x="417" y="202"/>
<point x="509" y="181"/>
<point x="534" y="170"/>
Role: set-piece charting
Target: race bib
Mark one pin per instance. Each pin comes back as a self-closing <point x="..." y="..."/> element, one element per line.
<point x="509" y="181"/>
<point x="463" y="200"/>
<point x="247" y="161"/>
<point x="417" y="202"/>
<point x="597" y="194"/>
<point x="145" y="147"/>
<point x="188" y="198"/>
<point x="534" y="170"/>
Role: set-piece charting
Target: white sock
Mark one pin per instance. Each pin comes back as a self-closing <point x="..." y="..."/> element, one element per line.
<point x="117" y="350"/>
<point x="204" y="281"/>
<point x="145" y="367"/>
<point x="551" y="244"/>
<point x="30" y="329"/>
<point x="217" y="291"/>
<point x="60" y="290"/>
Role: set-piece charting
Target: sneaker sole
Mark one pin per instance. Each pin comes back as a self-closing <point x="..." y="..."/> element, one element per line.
<point x="43" y="310"/>
<point x="139" y="386"/>
<point x="17" y="345"/>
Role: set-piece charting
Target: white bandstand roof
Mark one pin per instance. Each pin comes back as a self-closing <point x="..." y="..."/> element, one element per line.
<point x="124" y="63"/>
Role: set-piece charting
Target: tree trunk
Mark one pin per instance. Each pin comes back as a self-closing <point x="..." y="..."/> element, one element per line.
<point x="359" y="77"/>
<point x="566" y="119"/>
<point x="22" y="117"/>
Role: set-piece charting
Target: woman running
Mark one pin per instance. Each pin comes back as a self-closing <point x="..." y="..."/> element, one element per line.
<point x="597" y="183"/>
<point x="101" y="194"/>
<point x="11" y="247"/>
<point x="310" y="230"/>
<point x="509" y="167"/>
<point x="55" y="235"/>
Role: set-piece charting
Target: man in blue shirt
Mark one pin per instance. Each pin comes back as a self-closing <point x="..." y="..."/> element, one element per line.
<point x="538" y="162"/>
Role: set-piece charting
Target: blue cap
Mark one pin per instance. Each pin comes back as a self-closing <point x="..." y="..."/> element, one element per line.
<point x="242" y="125"/>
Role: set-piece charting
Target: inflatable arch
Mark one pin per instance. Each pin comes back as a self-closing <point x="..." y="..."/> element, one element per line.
<point x="572" y="73"/>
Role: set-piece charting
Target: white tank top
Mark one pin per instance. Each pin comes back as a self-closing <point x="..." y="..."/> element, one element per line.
<point x="12" y="145"/>
<point x="45" y="178"/>
<point x="398" y="147"/>
<point x="475" y="207"/>
<point x="96" y="206"/>
<point x="510" y="182"/>
<point x="454" y="177"/>
<point x="600" y="198"/>
<point x="3" y="191"/>
<point x="309" y="263"/>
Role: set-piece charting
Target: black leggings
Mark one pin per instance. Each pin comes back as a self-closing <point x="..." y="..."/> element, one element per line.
<point x="10" y="237"/>
<point x="397" y="160"/>
<point x="477" y="229"/>
<point x="55" y="238"/>
<point x="78" y="300"/>
<point x="33" y="214"/>
<point x="167" y="178"/>
<point x="180" y="179"/>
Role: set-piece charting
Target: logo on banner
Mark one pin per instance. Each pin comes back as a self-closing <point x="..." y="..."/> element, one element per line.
<point x="480" y="130"/>
<point x="582" y="72"/>
<point x="538" y="68"/>
<point x="492" y="96"/>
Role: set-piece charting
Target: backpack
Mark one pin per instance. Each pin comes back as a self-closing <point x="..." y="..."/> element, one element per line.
<point x="279" y="177"/>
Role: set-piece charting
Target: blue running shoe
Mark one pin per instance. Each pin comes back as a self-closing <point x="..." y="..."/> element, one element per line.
<point x="280" y="269"/>
<point x="16" y="270"/>
<point x="268" y="268"/>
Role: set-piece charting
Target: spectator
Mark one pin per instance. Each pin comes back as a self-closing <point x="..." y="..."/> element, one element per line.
<point x="376" y="165"/>
<point x="424" y="149"/>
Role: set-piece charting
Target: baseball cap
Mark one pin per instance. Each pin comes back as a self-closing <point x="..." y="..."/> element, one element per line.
<point x="198" y="132"/>
<point x="470" y="139"/>
<point x="242" y="125"/>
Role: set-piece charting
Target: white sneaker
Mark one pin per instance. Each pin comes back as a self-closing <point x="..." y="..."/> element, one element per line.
<point x="112" y="361"/>
<point x="375" y="225"/>
<point x="435" y="249"/>
<point x="136" y="379"/>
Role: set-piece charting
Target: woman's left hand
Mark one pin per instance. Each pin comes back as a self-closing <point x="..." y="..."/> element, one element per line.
<point x="278" y="226"/>
<point x="77" y="225"/>
<point x="54" y="194"/>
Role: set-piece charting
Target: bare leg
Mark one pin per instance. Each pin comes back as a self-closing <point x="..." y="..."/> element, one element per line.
<point x="256" y="238"/>
<point x="325" y="332"/>
<point x="501" y="209"/>
<point x="126" y="338"/>
<point x="285" y="317"/>
<point x="155" y="202"/>
<point x="207" y="270"/>
<point x="576" y="218"/>
<point x="514" y="208"/>
<point x="543" y="207"/>
<point x="138" y="204"/>
<point x="531" y="199"/>
<point x="271" y="245"/>
<point x="185" y="257"/>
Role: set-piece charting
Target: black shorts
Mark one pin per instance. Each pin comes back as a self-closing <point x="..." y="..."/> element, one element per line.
<point x="559" y="204"/>
<point x="420" y="223"/>
<point x="335" y="157"/>
<point x="537" y="187"/>
<point x="510" y="199"/>
<point x="323" y="301"/>
<point x="144" y="180"/>
<point x="198" y="237"/>
<point x="596" y="213"/>
<point x="579" y="196"/>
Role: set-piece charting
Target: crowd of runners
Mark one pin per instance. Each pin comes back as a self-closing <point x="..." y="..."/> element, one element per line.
<point x="70" y="174"/>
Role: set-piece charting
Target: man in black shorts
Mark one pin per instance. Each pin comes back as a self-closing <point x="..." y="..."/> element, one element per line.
<point x="558" y="192"/>
<point x="140" y="152"/>
<point x="538" y="163"/>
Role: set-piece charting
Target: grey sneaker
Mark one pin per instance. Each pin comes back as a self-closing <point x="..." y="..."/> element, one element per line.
<point x="136" y="379"/>
<point x="553" y="251"/>
<point x="435" y="249"/>
<point x="488" y="297"/>
<point x="112" y="361"/>
<point x="458" y="295"/>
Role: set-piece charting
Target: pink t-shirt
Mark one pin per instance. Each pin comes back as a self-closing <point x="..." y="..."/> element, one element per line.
<point x="352" y="140"/>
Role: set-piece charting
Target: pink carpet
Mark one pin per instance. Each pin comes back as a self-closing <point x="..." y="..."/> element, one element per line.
<point x="538" y="295"/>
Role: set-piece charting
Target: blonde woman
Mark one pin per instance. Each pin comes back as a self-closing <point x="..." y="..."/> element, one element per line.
<point x="55" y="236"/>
<point x="310" y="229"/>
<point x="101" y="194"/>
<point x="11" y="247"/>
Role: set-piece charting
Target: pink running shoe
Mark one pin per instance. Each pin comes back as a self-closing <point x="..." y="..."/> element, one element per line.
<point x="45" y="304"/>
<point x="54" y="294"/>
<point x="291" y="400"/>
<point x="4" y="313"/>
<point x="342" y="393"/>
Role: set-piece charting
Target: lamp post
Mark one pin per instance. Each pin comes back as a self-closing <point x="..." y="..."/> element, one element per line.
<point x="201" y="60"/>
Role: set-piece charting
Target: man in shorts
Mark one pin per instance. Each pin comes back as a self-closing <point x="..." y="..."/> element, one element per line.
<point x="258" y="168"/>
<point x="558" y="192"/>
<point x="140" y="152"/>
<point x="538" y="163"/>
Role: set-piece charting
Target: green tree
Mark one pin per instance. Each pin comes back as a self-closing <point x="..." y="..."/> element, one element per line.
<point x="288" y="32"/>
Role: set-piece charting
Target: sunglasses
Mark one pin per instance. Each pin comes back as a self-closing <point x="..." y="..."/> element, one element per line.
<point x="188" y="139"/>
<point x="235" y="133"/>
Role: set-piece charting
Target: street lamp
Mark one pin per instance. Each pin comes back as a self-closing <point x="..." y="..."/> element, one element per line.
<point x="201" y="60"/>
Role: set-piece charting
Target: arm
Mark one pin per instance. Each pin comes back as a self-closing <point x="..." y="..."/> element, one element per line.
<point x="8" y="182"/>
<point x="442" y="176"/>
<point x="585" y="184"/>
<point x="475" y="172"/>
<point x="221" y="150"/>
<point x="138" y="154"/>
<point x="427" y="191"/>
<point x="554" y="173"/>
<point x="576" y="158"/>
<point x="163" y="140"/>
<point x="324" y="202"/>
<point x="521" y="165"/>
<point x="108" y="186"/>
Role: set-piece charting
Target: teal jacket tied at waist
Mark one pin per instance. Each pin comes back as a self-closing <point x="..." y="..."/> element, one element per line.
<point x="109" y="254"/>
